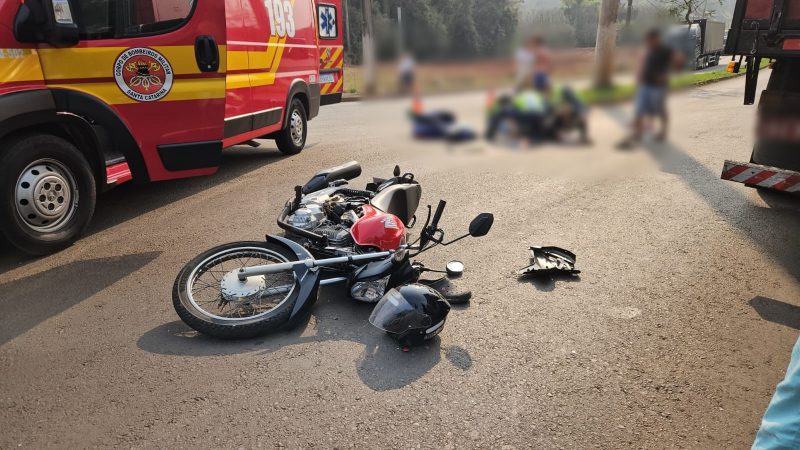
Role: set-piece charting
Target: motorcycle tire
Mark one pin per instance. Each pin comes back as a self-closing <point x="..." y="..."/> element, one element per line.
<point x="222" y="327"/>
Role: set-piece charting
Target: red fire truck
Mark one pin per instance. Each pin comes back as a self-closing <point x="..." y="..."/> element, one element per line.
<point x="94" y="93"/>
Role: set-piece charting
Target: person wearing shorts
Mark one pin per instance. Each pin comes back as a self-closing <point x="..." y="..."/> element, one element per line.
<point x="543" y="65"/>
<point x="650" y="101"/>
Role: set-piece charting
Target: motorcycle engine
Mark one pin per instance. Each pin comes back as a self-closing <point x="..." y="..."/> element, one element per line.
<point x="314" y="216"/>
<point x="308" y="217"/>
<point x="338" y="235"/>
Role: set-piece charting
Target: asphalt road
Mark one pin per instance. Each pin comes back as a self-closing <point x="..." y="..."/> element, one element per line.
<point x="674" y="335"/>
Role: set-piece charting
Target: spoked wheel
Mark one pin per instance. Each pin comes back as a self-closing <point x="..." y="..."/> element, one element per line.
<point x="210" y="298"/>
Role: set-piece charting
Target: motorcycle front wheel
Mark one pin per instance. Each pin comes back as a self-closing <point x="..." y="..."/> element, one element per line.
<point x="208" y="296"/>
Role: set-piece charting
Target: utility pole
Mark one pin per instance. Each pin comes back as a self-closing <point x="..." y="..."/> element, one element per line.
<point x="400" y="37"/>
<point x="368" y="45"/>
<point x="628" y="14"/>
<point x="347" y="24"/>
<point x="606" y="43"/>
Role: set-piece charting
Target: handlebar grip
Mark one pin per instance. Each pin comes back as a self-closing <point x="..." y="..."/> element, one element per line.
<point x="438" y="214"/>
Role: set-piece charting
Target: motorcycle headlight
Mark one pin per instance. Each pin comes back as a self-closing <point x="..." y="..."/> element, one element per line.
<point x="401" y="253"/>
<point x="369" y="291"/>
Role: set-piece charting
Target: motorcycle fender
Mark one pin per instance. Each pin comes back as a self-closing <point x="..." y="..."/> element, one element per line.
<point x="308" y="279"/>
<point x="306" y="297"/>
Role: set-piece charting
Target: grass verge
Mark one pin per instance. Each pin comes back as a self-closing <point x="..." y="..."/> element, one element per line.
<point x="624" y="92"/>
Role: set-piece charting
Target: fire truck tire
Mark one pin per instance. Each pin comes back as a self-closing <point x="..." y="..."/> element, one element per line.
<point x="47" y="193"/>
<point x="292" y="139"/>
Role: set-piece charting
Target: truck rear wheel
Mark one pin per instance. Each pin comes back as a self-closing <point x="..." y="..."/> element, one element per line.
<point x="47" y="193"/>
<point x="292" y="139"/>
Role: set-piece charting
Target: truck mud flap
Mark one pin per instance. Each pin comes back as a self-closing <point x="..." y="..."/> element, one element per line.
<point x="756" y="175"/>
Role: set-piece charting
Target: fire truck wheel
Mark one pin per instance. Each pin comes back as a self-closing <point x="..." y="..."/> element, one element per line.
<point x="292" y="139"/>
<point x="47" y="193"/>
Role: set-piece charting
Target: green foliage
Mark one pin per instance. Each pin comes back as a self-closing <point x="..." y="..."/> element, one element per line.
<point x="438" y="29"/>
<point x="688" y="10"/>
<point x="583" y="15"/>
<point x="550" y="23"/>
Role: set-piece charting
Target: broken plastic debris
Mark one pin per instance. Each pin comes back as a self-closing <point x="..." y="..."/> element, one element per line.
<point x="550" y="260"/>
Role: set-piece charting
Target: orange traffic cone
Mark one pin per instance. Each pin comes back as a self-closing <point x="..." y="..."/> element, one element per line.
<point x="416" y="104"/>
<point x="490" y="99"/>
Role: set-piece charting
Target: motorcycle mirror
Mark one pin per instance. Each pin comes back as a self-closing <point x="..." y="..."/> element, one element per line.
<point x="455" y="269"/>
<point x="396" y="171"/>
<point x="481" y="225"/>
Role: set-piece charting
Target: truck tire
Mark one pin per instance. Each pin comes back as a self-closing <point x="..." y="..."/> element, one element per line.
<point x="47" y="193"/>
<point x="292" y="139"/>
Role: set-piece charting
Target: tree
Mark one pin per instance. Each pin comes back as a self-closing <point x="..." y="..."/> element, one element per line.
<point x="583" y="16"/>
<point x="438" y="29"/>
<point x="368" y="47"/>
<point x="628" y="14"/>
<point x="551" y="23"/>
<point x="464" y="38"/>
<point x="689" y="9"/>
<point x="606" y="43"/>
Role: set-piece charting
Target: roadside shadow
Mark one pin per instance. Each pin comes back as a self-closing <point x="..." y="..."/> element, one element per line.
<point x="776" y="311"/>
<point x="547" y="283"/>
<point x="29" y="301"/>
<point x="773" y="229"/>
<point x="779" y="200"/>
<point x="131" y="200"/>
<point x="381" y="365"/>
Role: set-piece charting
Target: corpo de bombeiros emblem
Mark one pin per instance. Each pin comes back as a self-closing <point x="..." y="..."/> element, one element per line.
<point x="143" y="74"/>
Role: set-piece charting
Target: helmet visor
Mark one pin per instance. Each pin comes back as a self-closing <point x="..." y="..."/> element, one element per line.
<point x="394" y="314"/>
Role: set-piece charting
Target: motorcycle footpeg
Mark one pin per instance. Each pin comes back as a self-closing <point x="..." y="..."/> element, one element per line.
<point x="454" y="294"/>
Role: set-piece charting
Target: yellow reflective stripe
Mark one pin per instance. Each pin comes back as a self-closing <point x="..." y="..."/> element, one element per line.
<point x="276" y="63"/>
<point x="19" y="65"/>
<point x="338" y="86"/>
<point x="238" y="60"/>
<point x="237" y="81"/>
<point x="269" y="57"/>
<point x="334" y="58"/>
<point x="262" y="79"/>
<point x="188" y="89"/>
<point x="325" y="88"/>
<point x="98" y="62"/>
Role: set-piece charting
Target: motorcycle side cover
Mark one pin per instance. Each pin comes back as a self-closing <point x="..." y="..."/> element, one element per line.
<point x="377" y="229"/>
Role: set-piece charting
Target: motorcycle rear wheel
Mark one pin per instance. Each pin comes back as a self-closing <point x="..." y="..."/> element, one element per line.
<point x="208" y="298"/>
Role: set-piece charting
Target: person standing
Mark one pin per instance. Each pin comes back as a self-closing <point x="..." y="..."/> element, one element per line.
<point x="653" y="83"/>
<point x="406" y="69"/>
<point x="542" y="66"/>
<point x="525" y="62"/>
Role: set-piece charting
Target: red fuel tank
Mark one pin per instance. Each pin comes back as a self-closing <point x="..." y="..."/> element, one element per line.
<point x="378" y="229"/>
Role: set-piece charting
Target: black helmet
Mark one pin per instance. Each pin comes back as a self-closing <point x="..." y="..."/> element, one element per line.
<point x="411" y="314"/>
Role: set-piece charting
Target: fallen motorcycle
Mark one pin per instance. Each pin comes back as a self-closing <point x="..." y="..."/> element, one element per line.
<point x="335" y="235"/>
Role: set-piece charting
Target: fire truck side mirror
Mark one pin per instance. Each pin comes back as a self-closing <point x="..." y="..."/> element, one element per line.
<point x="46" y="22"/>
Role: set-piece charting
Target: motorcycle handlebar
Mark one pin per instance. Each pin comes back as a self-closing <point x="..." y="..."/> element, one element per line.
<point x="438" y="215"/>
